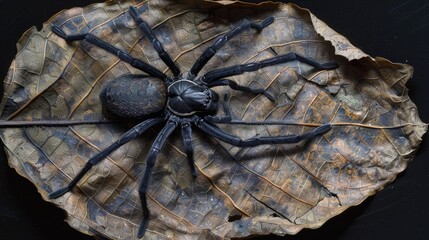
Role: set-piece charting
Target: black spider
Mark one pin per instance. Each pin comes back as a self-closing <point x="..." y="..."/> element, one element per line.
<point x="179" y="101"/>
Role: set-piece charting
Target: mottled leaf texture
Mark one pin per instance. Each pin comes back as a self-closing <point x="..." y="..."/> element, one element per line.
<point x="239" y="192"/>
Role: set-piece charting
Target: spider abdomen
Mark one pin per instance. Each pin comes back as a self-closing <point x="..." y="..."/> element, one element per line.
<point x="134" y="96"/>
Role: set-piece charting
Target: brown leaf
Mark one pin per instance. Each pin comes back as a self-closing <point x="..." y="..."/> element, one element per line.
<point x="239" y="192"/>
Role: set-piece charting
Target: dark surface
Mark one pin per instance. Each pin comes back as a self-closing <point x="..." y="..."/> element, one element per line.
<point x="395" y="29"/>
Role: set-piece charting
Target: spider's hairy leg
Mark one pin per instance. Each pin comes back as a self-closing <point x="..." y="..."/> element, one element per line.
<point x="157" y="145"/>
<point x="187" y="143"/>
<point x="166" y="58"/>
<point x="312" y="62"/>
<point x="220" y="134"/>
<point x="121" y="54"/>
<point x="254" y="66"/>
<point x="210" y="51"/>
<point x="236" y="86"/>
<point x="126" y="137"/>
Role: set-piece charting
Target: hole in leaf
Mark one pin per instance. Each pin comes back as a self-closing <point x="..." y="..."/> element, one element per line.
<point x="234" y="217"/>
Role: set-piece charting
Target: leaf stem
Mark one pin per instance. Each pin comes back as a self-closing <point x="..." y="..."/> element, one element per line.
<point x="48" y="123"/>
<point x="273" y="122"/>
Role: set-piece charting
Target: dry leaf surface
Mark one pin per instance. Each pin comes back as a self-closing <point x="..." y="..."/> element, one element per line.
<point x="238" y="192"/>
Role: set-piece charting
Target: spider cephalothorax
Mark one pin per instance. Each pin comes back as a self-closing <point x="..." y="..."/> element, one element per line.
<point x="186" y="98"/>
<point x="181" y="101"/>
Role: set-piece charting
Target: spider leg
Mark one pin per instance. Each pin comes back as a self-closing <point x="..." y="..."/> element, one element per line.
<point x="226" y="108"/>
<point x="254" y="66"/>
<point x="187" y="143"/>
<point x="121" y="54"/>
<point x="236" y="86"/>
<point x="155" y="42"/>
<point x="255" y="141"/>
<point x="210" y="51"/>
<point x="128" y="136"/>
<point x="157" y="145"/>
<point x="225" y="119"/>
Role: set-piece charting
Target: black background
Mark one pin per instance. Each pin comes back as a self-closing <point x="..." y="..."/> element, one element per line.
<point x="397" y="30"/>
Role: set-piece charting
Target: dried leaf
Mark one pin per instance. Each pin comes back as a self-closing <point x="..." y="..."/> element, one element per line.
<point x="277" y="189"/>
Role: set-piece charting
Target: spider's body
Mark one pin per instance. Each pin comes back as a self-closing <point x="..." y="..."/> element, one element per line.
<point x="134" y="96"/>
<point x="179" y="101"/>
<point x="140" y="96"/>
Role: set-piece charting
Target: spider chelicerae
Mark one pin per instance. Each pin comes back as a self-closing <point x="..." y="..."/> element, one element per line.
<point x="181" y="101"/>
